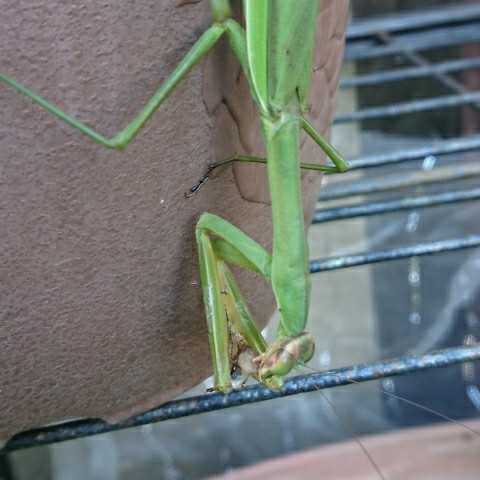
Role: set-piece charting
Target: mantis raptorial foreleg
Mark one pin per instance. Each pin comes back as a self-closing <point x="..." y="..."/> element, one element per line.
<point x="219" y="242"/>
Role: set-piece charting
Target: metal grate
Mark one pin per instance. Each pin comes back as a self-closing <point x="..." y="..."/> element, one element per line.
<point x="405" y="35"/>
<point x="256" y="393"/>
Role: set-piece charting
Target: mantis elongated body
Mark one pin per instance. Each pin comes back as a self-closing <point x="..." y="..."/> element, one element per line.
<point x="275" y="51"/>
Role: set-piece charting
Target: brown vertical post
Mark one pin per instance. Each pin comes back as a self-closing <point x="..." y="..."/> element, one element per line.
<point x="100" y="306"/>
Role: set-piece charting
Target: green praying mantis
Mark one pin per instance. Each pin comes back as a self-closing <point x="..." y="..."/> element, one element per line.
<point x="275" y="51"/>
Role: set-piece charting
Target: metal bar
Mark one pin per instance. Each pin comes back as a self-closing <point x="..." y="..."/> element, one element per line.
<point x="414" y="41"/>
<point x="443" y="147"/>
<point x="256" y="393"/>
<point x="406" y="179"/>
<point x="397" y="205"/>
<point x="399" y="74"/>
<point x="419" y="249"/>
<point x="414" y="106"/>
<point x="446" y="80"/>
<point x="419" y="60"/>
<point x="463" y="12"/>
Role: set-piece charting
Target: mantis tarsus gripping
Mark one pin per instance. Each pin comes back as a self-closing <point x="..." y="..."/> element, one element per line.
<point x="275" y="51"/>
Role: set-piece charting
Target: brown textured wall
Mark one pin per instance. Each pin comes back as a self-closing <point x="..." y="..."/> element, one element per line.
<point x="100" y="307"/>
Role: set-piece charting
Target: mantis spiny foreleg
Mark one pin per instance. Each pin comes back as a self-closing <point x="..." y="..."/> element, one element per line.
<point x="219" y="242"/>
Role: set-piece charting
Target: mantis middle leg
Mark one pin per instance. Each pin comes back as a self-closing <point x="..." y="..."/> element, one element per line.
<point x="340" y="165"/>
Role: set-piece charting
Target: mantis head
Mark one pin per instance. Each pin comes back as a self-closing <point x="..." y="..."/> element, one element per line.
<point x="282" y="356"/>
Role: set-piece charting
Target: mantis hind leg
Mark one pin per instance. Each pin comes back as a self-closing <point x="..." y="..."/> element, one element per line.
<point x="121" y="139"/>
<point x="223" y="24"/>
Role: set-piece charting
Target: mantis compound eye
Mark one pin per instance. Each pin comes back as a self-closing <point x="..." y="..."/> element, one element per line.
<point x="284" y="355"/>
